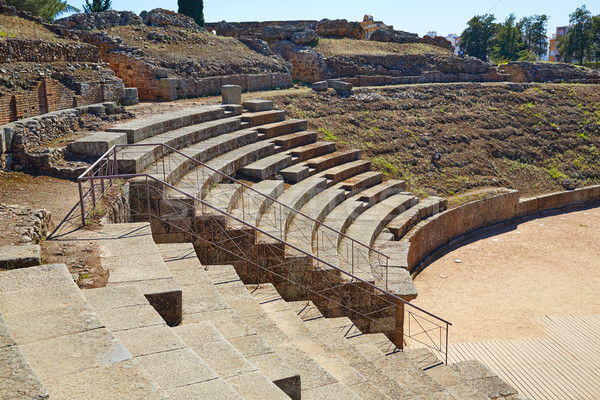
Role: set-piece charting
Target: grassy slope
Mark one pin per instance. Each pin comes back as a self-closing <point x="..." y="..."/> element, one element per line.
<point x="335" y="47"/>
<point x="485" y="134"/>
<point x="184" y="44"/>
<point x="15" y="27"/>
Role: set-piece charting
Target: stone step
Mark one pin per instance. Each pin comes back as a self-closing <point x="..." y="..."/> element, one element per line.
<point x="234" y="109"/>
<point x="274" y="220"/>
<point x="319" y="207"/>
<point x="362" y="181"/>
<point x="347" y="170"/>
<point x="400" y="225"/>
<point x="204" y="303"/>
<point x="359" y="358"/>
<point x="123" y="247"/>
<point x="313" y="150"/>
<point x="365" y="229"/>
<point x="140" y="129"/>
<point x="96" y="144"/>
<point x="23" y="256"/>
<point x="345" y="213"/>
<point x="133" y="160"/>
<point x="64" y="340"/>
<point x="263" y="117"/>
<point x="281" y="313"/>
<point x="301" y="229"/>
<point x="267" y="167"/>
<point x="17" y="378"/>
<point x="252" y="205"/>
<point x="223" y="196"/>
<point x="316" y="381"/>
<point x="282" y="128"/>
<point x="382" y="191"/>
<point x="156" y="347"/>
<point x="199" y="180"/>
<point x="257" y="105"/>
<point x="471" y="380"/>
<point x="322" y="163"/>
<point x="293" y="140"/>
<point x="178" y="168"/>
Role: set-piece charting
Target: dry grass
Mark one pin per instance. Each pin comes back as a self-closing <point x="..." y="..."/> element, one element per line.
<point x="15" y="27"/>
<point x="336" y="47"/>
<point x="184" y="44"/>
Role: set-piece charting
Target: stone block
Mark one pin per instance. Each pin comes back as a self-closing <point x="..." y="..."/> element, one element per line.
<point x="19" y="256"/>
<point x="131" y="97"/>
<point x="320" y="86"/>
<point x="232" y="94"/>
<point x="258" y="105"/>
<point x="259" y="82"/>
<point x="97" y="109"/>
<point x="168" y="89"/>
<point x="110" y="107"/>
<point x="98" y="143"/>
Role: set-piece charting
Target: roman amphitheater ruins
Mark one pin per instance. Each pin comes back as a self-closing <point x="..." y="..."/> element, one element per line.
<point x="215" y="241"/>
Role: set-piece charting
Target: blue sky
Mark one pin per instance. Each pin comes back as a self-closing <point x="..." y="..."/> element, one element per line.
<point x="413" y="16"/>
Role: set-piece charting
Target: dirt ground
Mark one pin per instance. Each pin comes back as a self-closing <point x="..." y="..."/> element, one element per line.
<point x="509" y="277"/>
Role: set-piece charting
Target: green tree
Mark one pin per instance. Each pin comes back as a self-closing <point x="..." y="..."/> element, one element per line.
<point x="476" y="40"/>
<point x="533" y="33"/>
<point x="47" y="9"/>
<point x="577" y="44"/>
<point x="507" y="42"/>
<point x="192" y="8"/>
<point x="96" y="6"/>
<point x="596" y="37"/>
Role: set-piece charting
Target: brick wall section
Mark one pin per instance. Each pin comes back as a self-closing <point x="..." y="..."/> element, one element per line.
<point x="20" y="50"/>
<point x="49" y="95"/>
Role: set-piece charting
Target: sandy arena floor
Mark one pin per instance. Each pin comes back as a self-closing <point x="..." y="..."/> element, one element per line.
<point x="515" y="274"/>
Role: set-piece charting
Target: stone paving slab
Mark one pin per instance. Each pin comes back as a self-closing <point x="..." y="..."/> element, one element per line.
<point x="177" y="368"/>
<point x="39" y="325"/>
<point x="39" y="299"/>
<point x="150" y="340"/>
<point x="63" y="355"/>
<point x="214" y="389"/>
<point x="130" y="317"/>
<point x="12" y="257"/>
<point x="255" y="386"/>
<point x="111" y="297"/>
<point x="54" y="275"/>
<point x="125" y="380"/>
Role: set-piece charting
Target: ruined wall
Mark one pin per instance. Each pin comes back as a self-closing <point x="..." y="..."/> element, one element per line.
<point x="523" y="71"/>
<point x="27" y="50"/>
<point x="30" y="89"/>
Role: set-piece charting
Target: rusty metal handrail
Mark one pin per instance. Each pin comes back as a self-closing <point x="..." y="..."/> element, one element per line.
<point x="352" y="277"/>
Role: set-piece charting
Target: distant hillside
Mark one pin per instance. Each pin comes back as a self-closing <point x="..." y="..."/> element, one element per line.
<point x="337" y="47"/>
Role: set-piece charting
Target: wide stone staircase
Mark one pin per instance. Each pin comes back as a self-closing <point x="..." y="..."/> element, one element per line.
<point x="233" y="341"/>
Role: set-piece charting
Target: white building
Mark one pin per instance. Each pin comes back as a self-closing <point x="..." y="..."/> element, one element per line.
<point x="455" y="40"/>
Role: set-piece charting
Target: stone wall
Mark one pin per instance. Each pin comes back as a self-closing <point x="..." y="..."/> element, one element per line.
<point x="522" y="71"/>
<point x="27" y="50"/>
<point x="100" y="20"/>
<point x="432" y="237"/>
